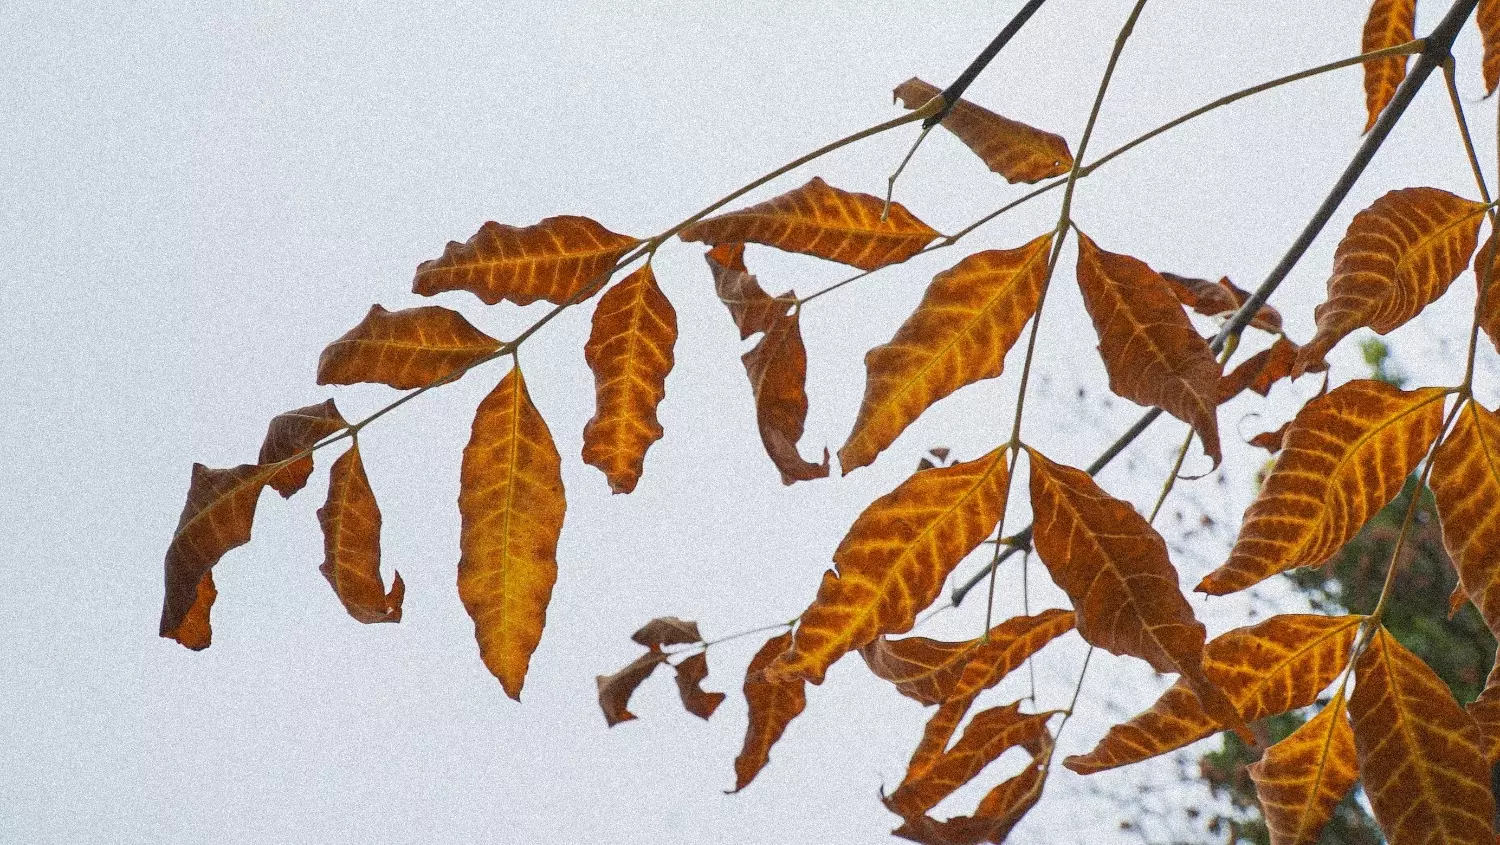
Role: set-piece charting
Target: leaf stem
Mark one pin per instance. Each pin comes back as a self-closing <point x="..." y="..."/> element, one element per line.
<point x="1482" y="277"/>
<point x="956" y="90"/>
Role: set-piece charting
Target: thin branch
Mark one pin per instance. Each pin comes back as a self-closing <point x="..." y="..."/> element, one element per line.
<point x="953" y="92"/>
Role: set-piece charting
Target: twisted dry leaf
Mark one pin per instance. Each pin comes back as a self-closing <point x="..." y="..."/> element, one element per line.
<point x="1219" y="299"/>
<point x="351" y="544"/>
<point x="405" y="349"/>
<point x="1488" y="313"/>
<point x="752" y="309"/>
<point x="1488" y="19"/>
<point x="1465" y="481"/>
<point x="777" y="367"/>
<point x="999" y="811"/>
<point x="989" y="734"/>
<point x="1260" y="371"/>
<point x="690" y="674"/>
<point x="196" y="629"/>
<point x="1018" y="152"/>
<point x="1391" y="22"/>
<point x="667" y="630"/>
<point x="1301" y="779"/>
<point x="773" y="705"/>
<point x="294" y="432"/>
<point x="615" y="690"/>
<point x="554" y="260"/>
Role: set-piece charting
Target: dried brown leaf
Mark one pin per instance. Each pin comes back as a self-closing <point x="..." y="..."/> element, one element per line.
<point x="773" y="705"/>
<point x="1018" y="152"/>
<point x="555" y="260"/>
<point x="615" y="690"/>
<point x="1390" y="23"/>
<point x="777" y="367"/>
<point x="1219" y="299"/>
<point x="752" y="309"/>
<point x="1488" y="19"/>
<point x="405" y="349"/>
<point x="1301" y="779"/>
<point x="351" y="544"/>
<point x="293" y="432"/>
<point x="1465" y="481"/>
<point x="690" y="675"/>
<point x="1260" y="371"/>
<point x="667" y="630"/>
<point x="989" y="734"/>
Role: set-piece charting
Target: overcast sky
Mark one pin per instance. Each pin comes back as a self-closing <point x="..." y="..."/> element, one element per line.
<point x="197" y="197"/>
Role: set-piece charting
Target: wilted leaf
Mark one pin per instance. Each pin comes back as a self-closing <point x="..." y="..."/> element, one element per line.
<point x="1485" y="711"/>
<point x="818" y="219"/>
<point x="773" y="705"/>
<point x="293" y="432"/>
<point x="1150" y="350"/>
<point x="511" y="505"/>
<point x="351" y="544"/>
<point x="630" y="352"/>
<point x="1219" y="299"/>
<point x="1397" y="256"/>
<point x="959" y="334"/>
<point x="667" y="630"/>
<point x="1260" y="371"/>
<point x="690" y="675"/>
<point x="553" y="260"/>
<point x="894" y="559"/>
<point x="1488" y="18"/>
<point x="1008" y="147"/>
<point x="1390" y="23"/>
<point x="752" y="309"/>
<point x="1345" y="456"/>
<point x="1489" y="310"/>
<point x="410" y="348"/>
<point x="777" y="367"/>
<point x="989" y="734"/>
<point x="999" y="811"/>
<point x="1301" y="779"/>
<point x="1419" y="753"/>
<point x="1465" y="481"/>
<point x="615" y="690"/>
<point x="196" y="631"/>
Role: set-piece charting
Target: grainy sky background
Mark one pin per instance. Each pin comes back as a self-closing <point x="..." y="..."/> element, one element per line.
<point x="197" y="197"/>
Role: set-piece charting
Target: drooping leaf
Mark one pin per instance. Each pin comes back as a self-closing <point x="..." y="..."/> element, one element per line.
<point x="1397" y="256"/>
<point x="819" y="219"/>
<point x="1488" y="19"/>
<point x="554" y="260"/>
<point x="1219" y="299"/>
<point x="999" y="811"/>
<point x="1150" y="350"/>
<point x="894" y="559"/>
<point x="989" y="734"/>
<point x="615" y="690"/>
<point x="351" y="544"/>
<point x="1419" y="754"/>
<point x="959" y="334"/>
<point x="1018" y="152"/>
<point x="410" y="348"/>
<point x="196" y="630"/>
<point x="1301" y="779"/>
<point x="777" y="367"/>
<point x="630" y="353"/>
<point x="1489" y="310"/>
<point x="773" y="705"/>
<point x="291" y="433"/>
<point x="667" y="630"/>
<point x="1260" y="371"/>
<point x="1465" y="481"/>
<point x="1266" y="669"/>
<point x="752" y="309"/>
<point x="690" y="675"/>
<point x="1390" y="23"/>
<point x="511" y="506"/>
<point x="1345" y="456"/>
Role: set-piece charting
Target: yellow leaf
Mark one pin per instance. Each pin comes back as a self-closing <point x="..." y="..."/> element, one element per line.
<point x="1465" y="481"/>
<point x="1390" y="23"/>
<point x="1301" y="779"/>
<point x="1008" y="147"/>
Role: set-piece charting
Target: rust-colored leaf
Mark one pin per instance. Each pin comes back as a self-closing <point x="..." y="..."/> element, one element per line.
<point x="351" y="544"/>
<point x="217" y="516"/>
<point x="752" y="309"/>
<point x="959" y="334"/>
<point x="291" y="433"/>
<point x="1260" y="371"/>
<point x="667" y="630"/>
<point x="773" y="705"/>
<point x="1390" y="23"/>
<point x="1485" y="711"/>
<point x="1488" y="19"/>
<point x="1219" y="299"/>
<point x="615" y="690"/>
<point x="1397" y="256"/>
<point x="410" y="348"/>
<point x="819" y="219"/>
<point x="1271" y="441"/>
<point x="894" y="559"/>
<point x="999" y="811"/>
<point x="630" y="352"/>
<point x="1018" y="152"/>
<point x="196" y="631"/>
<point x="1345" y="457"/>
<point x="777" y="367"/>
<point x="554" y="260"/>
<point x="690" y="675"/>
<point x="1489" y="309"/>
<point x="1150" y="350"/>
<point x="1301" y="779"/>
<point x="1115" y="569"/>
<point x="1266" y="669"/>
<point x="1465" y="481"/>
<point x="511" y="506"/>
<point x="989" y="734"/>
<point x="1419" y="753"/>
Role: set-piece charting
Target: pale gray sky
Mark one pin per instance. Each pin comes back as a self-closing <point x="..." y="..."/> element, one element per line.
<point x="197" y="197"/>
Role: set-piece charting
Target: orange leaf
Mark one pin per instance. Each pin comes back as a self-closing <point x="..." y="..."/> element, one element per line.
<point x="1008" y="147"/>
<point x="667" y="630"/>
<point x="1260" y="371"/>
<point x="1301" y="779"/>
<point x="1150" y="350"/>
<point x="1390" y="23"/>
<point x="752" y="309"/>
<point x="630" y="352"/>
<point x="1271" y="441"/>
<point x="894" y="559"/>
<point x="1267" y="669"/>
<point x="1489" y="312"/>
<point x="1485" y="711"/>
<point x="410" y="348"/>
<point x="196" y="631"/>
<point x="1397" y="256"/>
<point x="615" y="690"/>
<point x="959" y="334"/>
<point x="1114" y="567"/>
<point x="1465" y="481"/>
<point x="554" y="260"/>
<point x="511" y="505"/>
<point x="999" y="811"/>
<point x="351" y="543"/>
<point x="777" y="367"/>
<point x="773" y="705"/>
<point x="1488" y="19"/>
<point x="690" y="675"/>
<point x="989" y="734"/>
<point x="1344" y="457"/>
<point x="818" y="219"/>
<point x="1419" y="753"/>
<point x="1219" y="299"/>
<point x="217" y="516"/>
<point x="293" y="432"/>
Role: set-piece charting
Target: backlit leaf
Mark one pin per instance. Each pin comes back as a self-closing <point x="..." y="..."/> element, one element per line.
<point x="894" y="559"/>
<point x="410" y="348"/>
<point x="615" y="690"/>
<point x="1260" y="371"/>
<point x="690" y="675"/>
<point x="752" y="309"/>
<point x="1150" y="349"/>
<point x="999" y="811"/>
<point x="1219" y="299"/>
<point x="293" y="432"/>
<point x="630" y="352"/>
<point x="511" y="505"/>
<point x="667" y="630"/>
<point x="1488" y="18"/>
<point x="1485" y="711"/>
<point x="773" y="705"/>
<point x="1489" y="311"/>
<point x="989" y="734"/>
<point x="1008" y="147"/>
<point x="554" y="260"/>
<point x="351" y="544"/>
<point x="1301" y="779"/>
<point x="777" y="367"/>
<point x="1465" y="481"/>
<point x="1390" y="23"/>
<point x="1344" y="457"/>
<point x="818" y="219"/>
<point x="959" y="334"/>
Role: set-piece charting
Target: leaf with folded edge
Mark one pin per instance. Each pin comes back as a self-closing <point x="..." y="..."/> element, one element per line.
<point x="998" y="812"/>
<point x="511" y="506"/>
<point x="1115" y="569"/>
<point x="1271" y="441"/>
<point x="1301" y="779"/>
<point x="667" y="630"/>
<point x="1485" y="711"/>
<point x="1465" y="481"/>
<point x="1488" y="19"/>
<point x="615" y="690"/>
<point x="1219" y="299"/>
<point x="1151" y="352"/>
<point x="777" y="368"/>
<point x="1018" y="152"/>
<point x="1488" y="314"/>
<point x="894" y="559"/>
<point x="630" y="353"/>
<point x="555" y="260"/>
<point x="773" y="705"/>
<point x="690" y="674"/>
<point x="1397" y="256"/>
<point x="1419" y="754"/>
<point x="405" y="349"/>
<point x="1390" y="22"/>
<point x="294" y="432"/>
<point x="1344" y="457"/>
<point x="351" y="544"/>
<point x="1260" y="371"/>
<point x="1266" y="669"/>
<point x="989" y="734"/>
<point x="967" y="321"/>
<point x="196" y="631"/>
<point x="752" y="309"/>
<point x="819" y="219"/>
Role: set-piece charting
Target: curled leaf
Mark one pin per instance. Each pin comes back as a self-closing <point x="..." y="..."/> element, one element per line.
<point x="989" y="734"/>
<point x="405" y="349"/>
<point x="1271" y="441"/>
<point x="351" y="543"/>
<point x="1018" y="152"/>
<point x="1260" y="371"/>
<point x="292" y="432"/>
<point x="752" y="309"/>
<point x="1219" y="299"/>
<point x="1301" y="779"/>
<point x="615" y="690"/>
<point x="1488" y="19"/>
<point x="773" y="705"/>
<point x="1465" y="482"/>
<point x="1390" y="22"/>
<point x="1489" y="308"/>
<point x="667" y="630"/>
<point x="690" y="674"/>
<point x="196" y="631"/>
<point x="555" y="260"/>
<point x="999" y="811"/>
